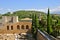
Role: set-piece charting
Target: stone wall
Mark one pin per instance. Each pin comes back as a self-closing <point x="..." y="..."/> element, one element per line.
<point x="12" y="19"/>
<point x="15" y="30"/>
<point x="6" y="34"/>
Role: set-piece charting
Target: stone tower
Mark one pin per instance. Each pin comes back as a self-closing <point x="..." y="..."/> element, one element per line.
<point x="15" y="19"/>
<point x="9" y="19"/>
<point x="4" y="19"/>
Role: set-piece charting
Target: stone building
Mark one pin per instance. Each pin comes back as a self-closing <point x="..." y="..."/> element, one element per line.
<point x="11" y="26"/>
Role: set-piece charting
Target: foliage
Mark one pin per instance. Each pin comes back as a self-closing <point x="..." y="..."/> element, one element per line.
<point x="24" y="14"/>
<point x="47" y="22"/>
<point x="35" y="25"/>
<point x="6" y="14"/>
<point x="0" y="16"/>
<point x="49" y="28"/>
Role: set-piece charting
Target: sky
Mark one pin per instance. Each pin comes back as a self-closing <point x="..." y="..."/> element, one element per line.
<point x="39" y="5"/>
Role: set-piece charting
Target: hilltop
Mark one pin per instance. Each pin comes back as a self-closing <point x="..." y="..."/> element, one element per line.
<point x="24" y="14"/>
<point x="28" y="14"/>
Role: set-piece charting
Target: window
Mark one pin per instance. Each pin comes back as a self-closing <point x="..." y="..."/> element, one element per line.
<point x="18" y="27"/>
<point x="27" y="27"/>
<point x="5" y="39"/>
<point x="7" y="27"/>
<point x="22" y="27"/>
<point x="11" y="27"/>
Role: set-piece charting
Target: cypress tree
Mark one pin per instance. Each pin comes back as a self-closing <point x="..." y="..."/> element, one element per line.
<point x="35" y="25"/>
<point x="49" y="28"/>
<point x="36" y="21"/>
<point x="33" y="18"/>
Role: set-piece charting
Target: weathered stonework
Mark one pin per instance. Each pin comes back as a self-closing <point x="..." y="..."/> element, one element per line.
<point x="9" y="28"/>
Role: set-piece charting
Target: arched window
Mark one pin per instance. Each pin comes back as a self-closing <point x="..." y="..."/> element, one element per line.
<point x="18" y="27"/>
<point x="7" y="27"/>
<point x="27" y="27"/>
<point x="11" y="27"/>
<point x="5" y="39"/>
<point x="22" y="27"/>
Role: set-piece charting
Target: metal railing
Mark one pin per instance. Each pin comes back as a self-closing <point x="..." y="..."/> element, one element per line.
<point x="47" y="36"/>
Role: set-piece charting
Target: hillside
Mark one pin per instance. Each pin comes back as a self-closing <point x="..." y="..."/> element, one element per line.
<point x="0" y="16"/>
<point x="28" y="14"/>
<point x="25" y="14"/>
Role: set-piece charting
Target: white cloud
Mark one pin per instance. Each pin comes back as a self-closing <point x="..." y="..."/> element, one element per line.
<point x="2" y="10"/>
<point x="43" y="10"/>
<point x="55" y="9"/>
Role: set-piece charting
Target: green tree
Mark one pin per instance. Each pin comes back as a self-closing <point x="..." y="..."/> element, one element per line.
<point x="37" y="21"/>
<point x="7" y="14"/>
<point x="58" y="27"/>
<point x="35" y="25"/>
<point x="49" y="28"/>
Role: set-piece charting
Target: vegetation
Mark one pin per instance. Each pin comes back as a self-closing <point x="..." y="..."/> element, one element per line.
<point x="0" y="16"/>
<point x="49" y="22"/>
<point x="35" y="25"/>
<point x="23" y="14"/>
<point x="49" y="28"/>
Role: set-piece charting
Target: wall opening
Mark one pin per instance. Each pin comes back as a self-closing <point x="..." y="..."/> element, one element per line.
<point x="11" y="27"/>
<point x="18" y="27"/>
<point x="5" y="39"/>
<point x="22" y="27"/>
<point x="7" y="27"/>
<point x="27" y="27"/>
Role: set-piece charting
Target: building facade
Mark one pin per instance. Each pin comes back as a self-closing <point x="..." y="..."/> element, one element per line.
<point x="11" y="26"/>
